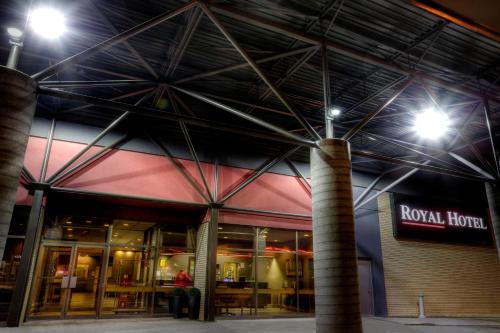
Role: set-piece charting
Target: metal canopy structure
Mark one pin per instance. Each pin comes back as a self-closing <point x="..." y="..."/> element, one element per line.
<point x="262" y="73"/>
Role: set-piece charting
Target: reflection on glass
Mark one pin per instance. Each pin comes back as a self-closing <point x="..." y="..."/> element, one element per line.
<point x="236" y="237"/>
<point x="76" y="229"/>
<point x="53" y="271"/>
<point x="129" y="278"/>
<point x="84" y="283"/>
<point x="264" y="271"/>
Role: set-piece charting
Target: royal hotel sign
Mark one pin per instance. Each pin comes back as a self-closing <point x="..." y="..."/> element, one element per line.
<point x="440" y="221"/>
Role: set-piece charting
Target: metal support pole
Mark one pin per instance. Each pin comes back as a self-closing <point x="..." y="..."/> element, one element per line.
<point x="259" y="172"/>
<point x="259" y="72"/>
<point x="77" y="58"/>
<point x="327" y="94"/>
<point x="353" y="131"/>
<point x="33" y="230"/>
<point x="14" y="54"/>
<point x="211" y="264"/>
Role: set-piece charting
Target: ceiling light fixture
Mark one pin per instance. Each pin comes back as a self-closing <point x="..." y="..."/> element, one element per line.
<point x="431" y="124"/>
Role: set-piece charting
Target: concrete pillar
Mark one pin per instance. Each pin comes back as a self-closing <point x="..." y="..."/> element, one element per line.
<point x="17" y="107"/>
<point x="493" y="195"/>
<point x="335" y="259"/>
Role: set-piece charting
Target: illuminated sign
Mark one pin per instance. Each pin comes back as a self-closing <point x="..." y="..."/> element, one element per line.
<point x="442" y="221"/>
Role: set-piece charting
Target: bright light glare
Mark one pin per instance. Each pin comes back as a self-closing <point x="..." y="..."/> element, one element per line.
<point x="431" y="124"/>
<point x="333" y="112"/>
<point x="47" y="22"/>
<point x="14" y="32"/>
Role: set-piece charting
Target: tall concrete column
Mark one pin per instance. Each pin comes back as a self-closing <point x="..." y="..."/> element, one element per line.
<point x="493" y="195"/>
<point x="17" y="107"/>
<point x="335" y="259"/>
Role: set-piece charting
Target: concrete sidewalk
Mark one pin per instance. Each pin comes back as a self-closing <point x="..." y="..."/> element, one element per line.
<point x="295" y="325"/>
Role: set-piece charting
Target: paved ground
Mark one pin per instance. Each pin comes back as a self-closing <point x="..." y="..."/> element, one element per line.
<point x="296" y="325"/>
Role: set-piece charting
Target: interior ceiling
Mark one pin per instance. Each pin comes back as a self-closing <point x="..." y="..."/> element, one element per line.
<point x="393" y="31"/>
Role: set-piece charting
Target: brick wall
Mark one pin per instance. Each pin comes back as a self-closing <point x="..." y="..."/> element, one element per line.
<point x="457" y="280"/>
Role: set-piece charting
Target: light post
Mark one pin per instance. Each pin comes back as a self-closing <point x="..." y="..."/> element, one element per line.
<point x="16" y="44"/>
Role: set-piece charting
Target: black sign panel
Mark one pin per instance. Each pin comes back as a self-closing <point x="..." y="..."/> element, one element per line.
<point x="414" y="217"/>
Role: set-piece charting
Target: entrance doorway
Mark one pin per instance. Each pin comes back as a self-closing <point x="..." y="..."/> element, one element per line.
<point x="365" y="287"/>
<point x="67" y="281"/>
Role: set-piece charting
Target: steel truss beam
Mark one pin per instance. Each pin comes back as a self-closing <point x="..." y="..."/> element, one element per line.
<point x="286" y="76"/>
<point x="429" y="168"/>
<point x="259" y="172"/>
<point x="91" y="144"/>
<point x="154" y="113"/>
<point x="77" y="58"/>
<point x="299" y="174"/>
<point x="88" y="161"/>
<point x="48" y="147"/>
<point x="271" y="25"/>
<point x="287" y="137"/>
<point x="353" y="131"/>
<point x="191" y="147"/>
<point x="246" y="116"/>
<point x="179" y="51"/>
<point x="259" y="72"/>
<point x="132" y="50"/>
<point x="93" y="83"/>
<point x="390" y="186"/>
<point x="245" y="64"/>
<point x="466" y="139"/>
<point x="491" y="135"/>
<point x="116" y="98"/>
<point x="180" y="168"/>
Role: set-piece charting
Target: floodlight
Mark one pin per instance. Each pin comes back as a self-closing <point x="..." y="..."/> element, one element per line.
<point x="431" y="124"/>
<point x="333" y="112"/>
<point x="15" y="33"/>
<point x="47" y="22"/>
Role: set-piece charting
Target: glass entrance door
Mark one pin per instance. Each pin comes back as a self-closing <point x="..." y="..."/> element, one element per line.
<point x="66" y="281"/>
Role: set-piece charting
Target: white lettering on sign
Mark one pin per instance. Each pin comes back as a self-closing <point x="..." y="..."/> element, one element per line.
<point x="430" y="218"/>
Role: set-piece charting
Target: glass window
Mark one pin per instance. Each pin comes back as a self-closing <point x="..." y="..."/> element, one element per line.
<point x="76" y="228"/>
<point x="129" y="279"/>
<point x="132" y="233"/>
<point x="236" y="237"/>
